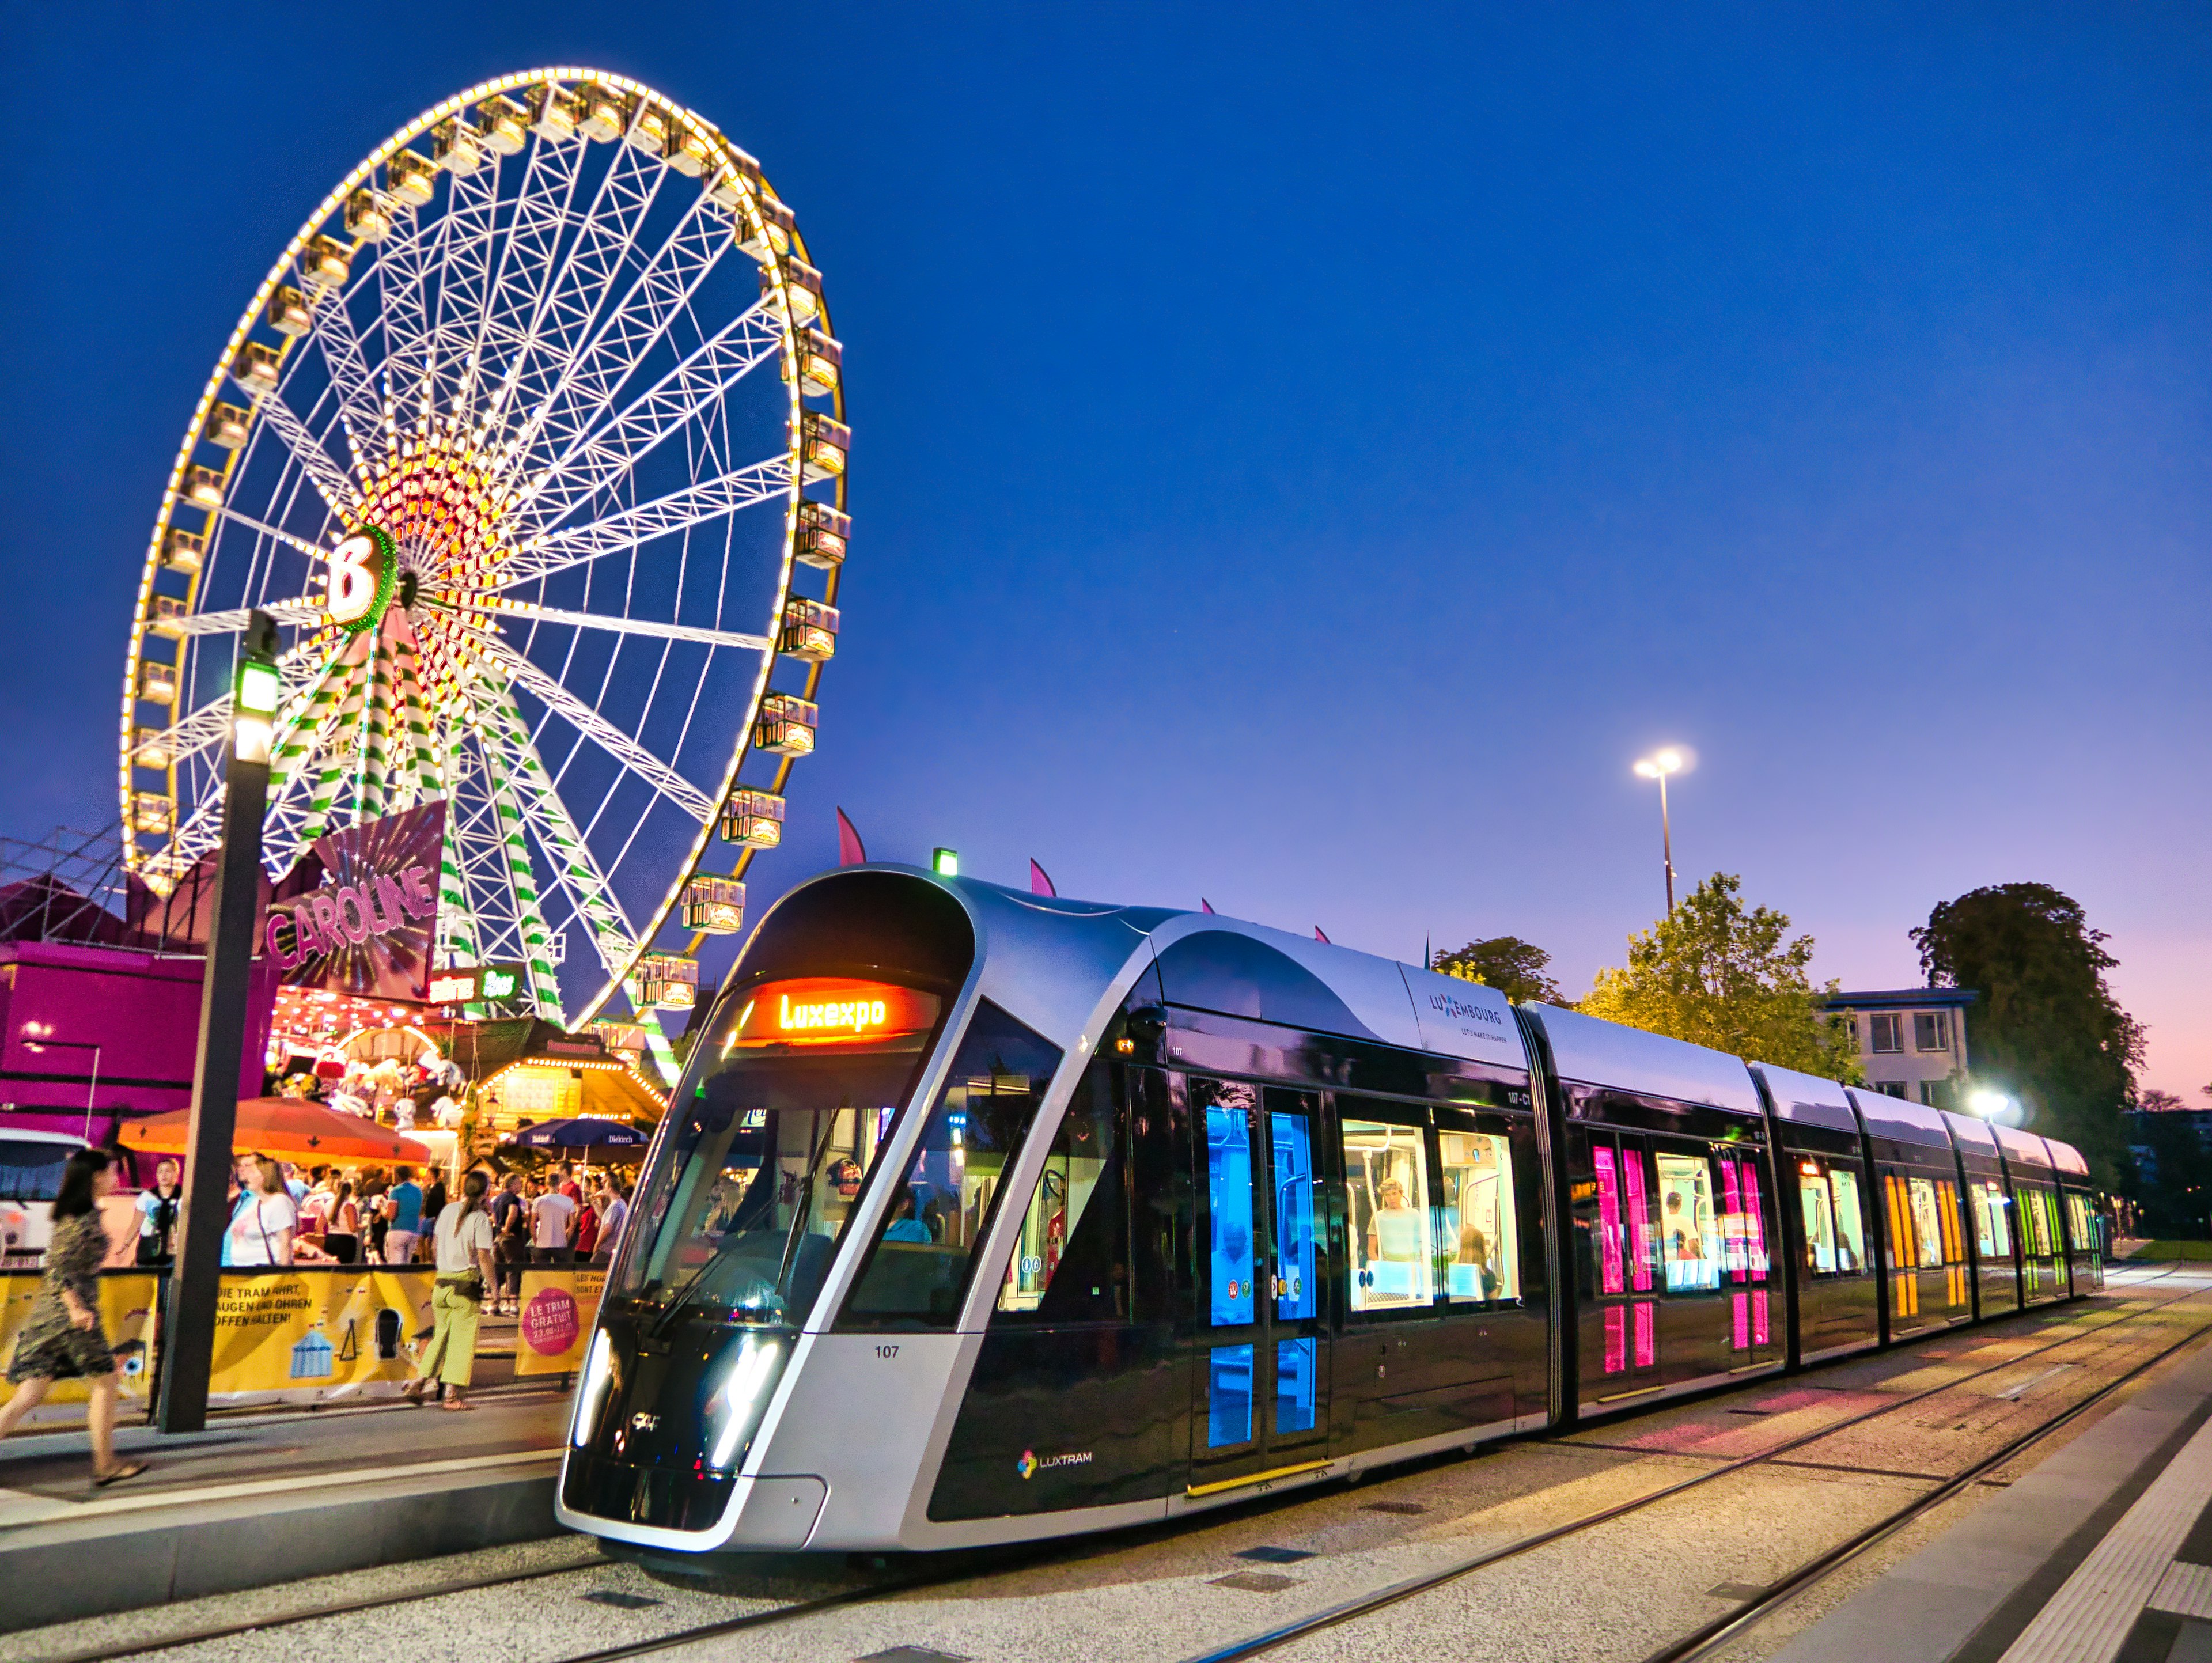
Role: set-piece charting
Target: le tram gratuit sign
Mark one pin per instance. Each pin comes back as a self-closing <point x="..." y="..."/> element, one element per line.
<point x="359" y="913"/>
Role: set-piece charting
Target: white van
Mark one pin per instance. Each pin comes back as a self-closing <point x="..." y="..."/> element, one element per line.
<point x="30" y="1177"/>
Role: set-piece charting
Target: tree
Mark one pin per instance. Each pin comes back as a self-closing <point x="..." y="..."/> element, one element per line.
<point x="2044" y="1025"/>
<point x="1514" y="966"/>
<point x="2152" y="1101"/>
<point x="1714" y="974"/>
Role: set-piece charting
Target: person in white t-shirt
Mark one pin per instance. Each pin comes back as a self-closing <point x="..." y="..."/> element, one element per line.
<point x="462" y="1239"/>
<point x="261" y="1229"/>
<point x="552" y="1227"/>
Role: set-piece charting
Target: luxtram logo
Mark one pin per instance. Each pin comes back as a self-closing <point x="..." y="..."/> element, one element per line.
<point x="1029" y="1466"/>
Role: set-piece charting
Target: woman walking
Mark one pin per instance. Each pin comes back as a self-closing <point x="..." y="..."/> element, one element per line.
<point x="61" y="1338"/>
<point x="260" y="1232"/>
<point x="462" y="1241"/>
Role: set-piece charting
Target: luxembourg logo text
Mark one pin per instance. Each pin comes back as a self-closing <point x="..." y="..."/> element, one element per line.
<point x="1030" y="1464"/>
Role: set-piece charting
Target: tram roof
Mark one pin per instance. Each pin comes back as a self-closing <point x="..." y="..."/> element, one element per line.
<point x="1591" y="1052"/>
<point x="1807" y="1099"/>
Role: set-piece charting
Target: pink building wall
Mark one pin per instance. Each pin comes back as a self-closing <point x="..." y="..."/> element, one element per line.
<point x="142" y="1010"/>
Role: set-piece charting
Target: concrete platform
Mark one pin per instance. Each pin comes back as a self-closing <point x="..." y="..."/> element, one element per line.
<point x="268" y="1498"/>
<point x="2103" y="1554"/>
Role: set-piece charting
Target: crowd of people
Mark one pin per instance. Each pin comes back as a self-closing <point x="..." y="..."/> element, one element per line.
<point x="282" y="1214"/>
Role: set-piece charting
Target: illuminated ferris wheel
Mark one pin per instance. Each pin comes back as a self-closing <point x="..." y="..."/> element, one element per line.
<point x="531" y="442"/>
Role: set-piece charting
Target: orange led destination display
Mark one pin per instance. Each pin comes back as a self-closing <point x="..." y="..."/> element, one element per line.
<point x="830" y="1010"/>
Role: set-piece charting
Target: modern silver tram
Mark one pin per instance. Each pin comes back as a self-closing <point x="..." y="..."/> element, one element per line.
<point x="979" y="1217"/>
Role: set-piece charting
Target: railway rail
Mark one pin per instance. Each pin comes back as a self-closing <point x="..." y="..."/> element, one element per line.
<point x="965" y="1568"/>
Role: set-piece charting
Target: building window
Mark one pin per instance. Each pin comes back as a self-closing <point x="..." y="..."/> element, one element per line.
<point x="1890" y="1087"/>
<point x="1849" y="1023"/>
<point x="1888" y="1032"/>
<point x="1931" y="1093"/>
<point x="1929" y="1033"/>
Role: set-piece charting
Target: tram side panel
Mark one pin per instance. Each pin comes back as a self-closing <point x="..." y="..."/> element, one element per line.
<point x="2034" y="1190"/>
<point x="2078" y="1215"/>
<point x="1989" y="1233"/>
<point x="1078" y="1395"/>
<point x="1921" y="1214"/>
<point x="1826" y="1192"/>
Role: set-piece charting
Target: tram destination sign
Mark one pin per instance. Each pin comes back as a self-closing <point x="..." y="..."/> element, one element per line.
<point x="825" y="1009"/>
<point x="359" y="913"/>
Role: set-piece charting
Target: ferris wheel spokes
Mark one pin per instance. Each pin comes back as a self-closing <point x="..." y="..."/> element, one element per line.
<point x="671" y="785"/>
<point x="595" y="459"/>
<point x="548" y="552"/>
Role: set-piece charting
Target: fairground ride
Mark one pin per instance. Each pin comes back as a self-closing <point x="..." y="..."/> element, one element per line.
<point x="533" y="442"/>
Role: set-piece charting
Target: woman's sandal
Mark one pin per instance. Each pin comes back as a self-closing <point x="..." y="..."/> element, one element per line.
<point x="416" y="1393"/>
<point x="457" y="1403"/>
<point x="128" y="1470"/>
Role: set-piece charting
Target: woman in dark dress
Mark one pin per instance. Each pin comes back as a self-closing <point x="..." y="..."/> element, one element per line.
<point x="60" y="1339"/>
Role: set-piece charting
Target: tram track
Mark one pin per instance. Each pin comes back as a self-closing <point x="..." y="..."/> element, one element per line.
<point x="1768" y="1599"/>
<point x="1772" y="1597"/>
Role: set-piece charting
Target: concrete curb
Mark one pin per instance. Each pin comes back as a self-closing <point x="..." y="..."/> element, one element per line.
<point x="67" y="1569"/>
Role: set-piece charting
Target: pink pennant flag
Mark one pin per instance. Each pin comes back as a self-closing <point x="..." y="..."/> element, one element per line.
<point x="851" y="852"/>
<point x="1321" y="938"/>
<point x="1039" y="884"/>
<point x="1205" y="905"/>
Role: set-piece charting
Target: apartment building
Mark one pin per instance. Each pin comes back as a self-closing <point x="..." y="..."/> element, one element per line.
<point x="1911" y="1040"/>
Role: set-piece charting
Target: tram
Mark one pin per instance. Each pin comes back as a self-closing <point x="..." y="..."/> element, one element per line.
<point x="980" y="1217"/>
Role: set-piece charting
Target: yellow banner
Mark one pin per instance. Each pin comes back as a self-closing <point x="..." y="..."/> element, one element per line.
<point x="126" y="1315"/>
<point x="309" y="1335"/>
<point x="558" y="1310"/>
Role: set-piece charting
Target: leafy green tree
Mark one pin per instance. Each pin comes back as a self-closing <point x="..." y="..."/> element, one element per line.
<point x="2045" y="1026"/>
<point x="1716" y="972"/>
<point x="1514" y="966"/>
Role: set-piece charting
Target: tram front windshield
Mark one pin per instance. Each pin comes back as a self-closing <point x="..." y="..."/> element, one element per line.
<point x="793" y="1091"/>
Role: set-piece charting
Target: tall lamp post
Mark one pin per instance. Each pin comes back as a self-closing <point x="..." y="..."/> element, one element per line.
<point x="1657" y="767"/>
<point x="189" y="1322"/>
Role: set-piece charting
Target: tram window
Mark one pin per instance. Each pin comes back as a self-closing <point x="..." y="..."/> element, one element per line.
<point x="759" y="1171"/>
<point x="1387" y="1193"/>
<point x="1989" y="1218"/>
<point x="948" y="1194"/>
<point x="1689" y="1231"/>
<point x="2084" y="1228"/>
<point x="1820" y="1219"/>
<point x="1850" y="1223"/>
<point x="1610" y="1241"/>
<point x="1482" y="1259"/>
<point x="1071" y="1261"/>
<point x="1927" y="1224"/>
<point x="1225" y="1108"/>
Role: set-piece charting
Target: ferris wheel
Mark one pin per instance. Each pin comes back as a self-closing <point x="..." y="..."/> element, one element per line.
<point x="531" y="442"/>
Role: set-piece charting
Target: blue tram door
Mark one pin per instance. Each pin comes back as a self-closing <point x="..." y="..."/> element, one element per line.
<point x="1261" y="1402"/>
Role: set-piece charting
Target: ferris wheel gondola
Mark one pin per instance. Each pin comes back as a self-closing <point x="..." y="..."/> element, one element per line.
<point x="495" y="444"/>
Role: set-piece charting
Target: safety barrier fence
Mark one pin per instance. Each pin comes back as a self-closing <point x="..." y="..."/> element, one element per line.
<point x="310" y="1334"/>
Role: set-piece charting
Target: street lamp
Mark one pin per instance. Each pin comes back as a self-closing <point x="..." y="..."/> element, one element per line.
<point x="1992" y="1105"/>
<point x="1657" y="767"/>
<point x="189" y="1327"/>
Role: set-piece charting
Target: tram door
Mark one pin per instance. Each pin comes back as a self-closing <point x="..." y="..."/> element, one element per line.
<point x="1263" y="1356"/>
<point x="1620" y="1338"/>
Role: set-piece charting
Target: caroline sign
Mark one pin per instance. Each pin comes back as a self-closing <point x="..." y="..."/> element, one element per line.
<point x="362" y="912"/>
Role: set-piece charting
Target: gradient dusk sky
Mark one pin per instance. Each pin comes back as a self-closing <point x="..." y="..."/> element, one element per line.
<point x="1302" y="457"/>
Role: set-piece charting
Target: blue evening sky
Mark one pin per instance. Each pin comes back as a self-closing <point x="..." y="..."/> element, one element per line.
<point x="1304" y="456"/>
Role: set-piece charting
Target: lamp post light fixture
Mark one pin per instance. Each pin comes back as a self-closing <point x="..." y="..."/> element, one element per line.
<point x="1658" y="766"/>
<point x="1994" y="1106"/>
<point x="189" y="1321"/>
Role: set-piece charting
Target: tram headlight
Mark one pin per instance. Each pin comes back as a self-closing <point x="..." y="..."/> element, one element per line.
<point x="591" y="1395"/>
<point x="735" y="1409"/>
